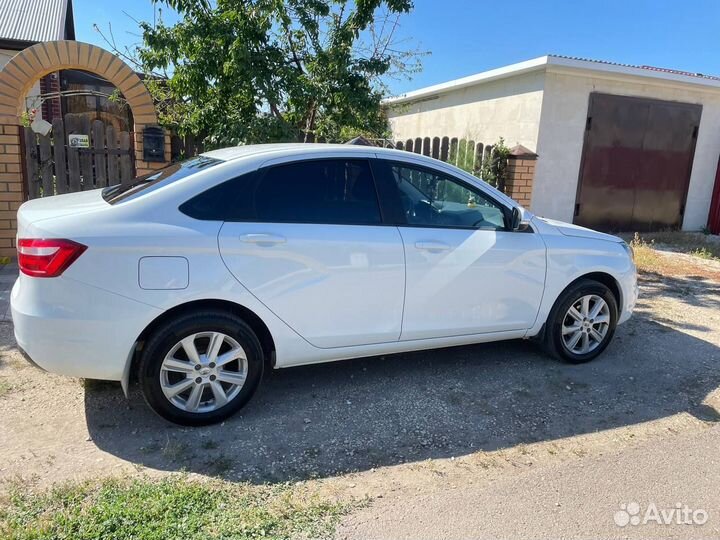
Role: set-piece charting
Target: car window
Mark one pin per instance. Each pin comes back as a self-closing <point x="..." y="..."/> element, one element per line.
<point x="143" y="185"/>
<point x="431" y="199"/>
<point x="328" y="191"/>
<point x="228" y="201"/>
<point x="321" y="191"/>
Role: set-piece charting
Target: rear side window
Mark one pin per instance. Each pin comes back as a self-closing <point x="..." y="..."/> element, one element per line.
<point x="143" y="185"/>
<point x="323" y="191"/>
<point x="327" y="191"/>
<point x="230" y="201"/>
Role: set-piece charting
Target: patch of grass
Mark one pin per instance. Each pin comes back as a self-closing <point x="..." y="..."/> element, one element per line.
<point x="651" y="259"/>
<point x="176" y="450"/>
<point x="646" y="258"/>
<point x="703" y="253"/>
<point x="220" y="465"/>
<point x="151" y="448"/>
<point x="209" y="444"/>
<point x="693" y="243"/>
<point x="172" y="508"/>
<point x="5" y="387"/>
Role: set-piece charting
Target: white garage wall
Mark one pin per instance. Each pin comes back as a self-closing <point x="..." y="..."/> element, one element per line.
<point x="562" y="127"/>
<point x="508" y="107"/>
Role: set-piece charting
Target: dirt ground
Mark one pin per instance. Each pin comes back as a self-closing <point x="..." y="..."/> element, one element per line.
<point x="383" y="428"/>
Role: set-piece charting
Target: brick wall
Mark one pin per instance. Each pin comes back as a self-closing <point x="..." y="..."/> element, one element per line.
<point x="520" y="174"/>
<point x="11" y="187"/>
<point x="145" y="167"/>
<point x="51" y="106"/>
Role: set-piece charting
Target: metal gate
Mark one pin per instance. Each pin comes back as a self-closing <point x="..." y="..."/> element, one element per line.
<point x="60" y="162"/>
<point x="713" y="223"/>
<point x="636" y="163"/>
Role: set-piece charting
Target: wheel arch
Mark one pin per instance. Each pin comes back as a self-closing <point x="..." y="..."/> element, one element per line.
<point x="605" y="278"/>
<point x="251" y="318"/>
<point x="601" y="277"/>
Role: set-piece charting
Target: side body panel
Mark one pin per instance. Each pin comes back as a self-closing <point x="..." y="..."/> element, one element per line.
<point x="463" y="281"/>
<point x="571" y="257"/>
<point x="336" y="285"/>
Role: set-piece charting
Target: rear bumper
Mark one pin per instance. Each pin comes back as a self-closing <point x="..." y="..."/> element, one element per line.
<point x="74" y="329"/>
<point x="27" y="358"/>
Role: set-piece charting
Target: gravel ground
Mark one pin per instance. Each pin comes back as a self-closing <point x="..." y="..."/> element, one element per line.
<point x="396" y="426"/>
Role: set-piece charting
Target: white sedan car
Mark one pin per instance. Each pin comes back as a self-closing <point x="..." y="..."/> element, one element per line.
<point x="198" y="278"/>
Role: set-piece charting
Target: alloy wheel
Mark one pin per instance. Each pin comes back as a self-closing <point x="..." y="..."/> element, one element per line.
<point x="203" y="372"/>
<point x="586" y="324"/>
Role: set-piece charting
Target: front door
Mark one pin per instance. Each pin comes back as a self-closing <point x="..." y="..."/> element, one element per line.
<point x="314" y="250"/>
<point x="636" y="163"/>
<point x="466" y="273"/>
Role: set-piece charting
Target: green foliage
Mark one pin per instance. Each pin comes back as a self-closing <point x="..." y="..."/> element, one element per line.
<point x="463" y="156"/>
<point x="703" y="253"/>
<point x="494" y="167"/>
<point x="117" y="98"/>
<point x="252" y="71"/>
<point x="5" y="387"/>
<point x="27" y="117"/>
<point x="167" y="509"/>
<point x="648" y="248"/>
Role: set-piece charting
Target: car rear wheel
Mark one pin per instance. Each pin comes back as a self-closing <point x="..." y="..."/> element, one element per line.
<point x="201" y="368"/>
<point x="582" y="322"/>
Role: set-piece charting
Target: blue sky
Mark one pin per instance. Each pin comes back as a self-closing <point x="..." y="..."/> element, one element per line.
<point x="466" y="36"/>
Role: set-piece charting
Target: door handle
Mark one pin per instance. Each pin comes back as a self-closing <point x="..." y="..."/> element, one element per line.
<point x="432" y="246"/>
<point x="262" y="239"/>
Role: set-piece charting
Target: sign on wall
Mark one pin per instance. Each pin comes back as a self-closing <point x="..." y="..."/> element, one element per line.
<point x="79" y="141"/>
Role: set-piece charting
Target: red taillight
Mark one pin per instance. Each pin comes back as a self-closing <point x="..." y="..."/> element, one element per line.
<point x="47" y="257"/>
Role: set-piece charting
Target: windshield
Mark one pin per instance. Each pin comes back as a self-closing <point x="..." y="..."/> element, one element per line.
<point x="143" y="185"/>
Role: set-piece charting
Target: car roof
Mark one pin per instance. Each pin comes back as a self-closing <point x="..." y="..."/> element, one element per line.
<point x="279" y="149"/>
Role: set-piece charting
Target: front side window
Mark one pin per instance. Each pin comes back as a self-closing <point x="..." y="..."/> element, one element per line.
<point x="430" y="199"/>
<point x="331" y="191"/>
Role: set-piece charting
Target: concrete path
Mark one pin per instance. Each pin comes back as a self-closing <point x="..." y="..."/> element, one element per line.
<point x="581" y="499"/>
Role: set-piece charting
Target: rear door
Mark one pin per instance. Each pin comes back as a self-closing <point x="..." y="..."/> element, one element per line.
<point x="466" y="273"/>
<point x="310" y="243"/>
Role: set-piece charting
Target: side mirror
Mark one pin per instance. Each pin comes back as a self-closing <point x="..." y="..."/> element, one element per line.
<point x="515" y="219"/>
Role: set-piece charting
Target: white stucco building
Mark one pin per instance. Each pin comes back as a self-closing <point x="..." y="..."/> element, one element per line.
<point x="618" y="146"/>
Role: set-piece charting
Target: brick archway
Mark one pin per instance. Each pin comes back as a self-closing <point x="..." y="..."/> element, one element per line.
<point x="18" y="77"/>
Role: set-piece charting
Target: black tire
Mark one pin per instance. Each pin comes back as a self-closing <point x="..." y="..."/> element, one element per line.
<point x="554" y="343"/>
<point x="167" y="336"/>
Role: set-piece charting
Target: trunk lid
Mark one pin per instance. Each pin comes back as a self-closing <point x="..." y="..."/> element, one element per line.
<point x="38" y="210"/>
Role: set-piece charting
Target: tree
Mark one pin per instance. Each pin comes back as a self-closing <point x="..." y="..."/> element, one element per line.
<point x="249" y="71"/>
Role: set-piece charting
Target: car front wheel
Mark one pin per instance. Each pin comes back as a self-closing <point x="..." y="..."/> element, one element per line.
<point x="582" y="322"/>
<point x="201" y="368"/>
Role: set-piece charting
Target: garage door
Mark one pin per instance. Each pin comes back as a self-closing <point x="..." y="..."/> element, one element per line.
<point x="636" y="163"/>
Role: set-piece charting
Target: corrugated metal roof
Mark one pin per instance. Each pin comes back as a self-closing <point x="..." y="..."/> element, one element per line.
<point x="649" y="68"/>
<point x="32" y="20"/>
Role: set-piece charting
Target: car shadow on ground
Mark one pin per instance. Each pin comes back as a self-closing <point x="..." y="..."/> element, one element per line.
<point x="327" y="419"/>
